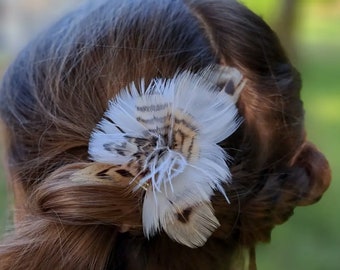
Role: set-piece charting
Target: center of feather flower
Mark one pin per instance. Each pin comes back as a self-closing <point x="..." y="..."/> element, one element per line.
<point x="172" y="145"/>
<point x="162" y="165"/>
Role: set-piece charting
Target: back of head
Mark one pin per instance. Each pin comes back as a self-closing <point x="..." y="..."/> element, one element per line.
<point x="57" y="90"/>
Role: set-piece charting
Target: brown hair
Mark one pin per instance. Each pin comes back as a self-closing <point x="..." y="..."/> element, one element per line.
<point x="57" y="90"/>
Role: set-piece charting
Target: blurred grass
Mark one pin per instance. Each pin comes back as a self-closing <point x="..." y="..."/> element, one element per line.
<point x="311" y="238"/>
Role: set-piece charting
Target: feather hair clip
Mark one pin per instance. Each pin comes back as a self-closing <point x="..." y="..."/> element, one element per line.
<point x="167" y="134"/>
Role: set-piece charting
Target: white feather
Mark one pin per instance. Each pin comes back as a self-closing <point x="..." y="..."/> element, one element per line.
<point x="197" y="230"/>
<point x="109" y="148"/>
<point x="188" y="112"/>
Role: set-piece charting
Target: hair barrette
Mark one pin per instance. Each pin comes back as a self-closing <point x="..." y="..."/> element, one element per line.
<point x="168" y="134"/>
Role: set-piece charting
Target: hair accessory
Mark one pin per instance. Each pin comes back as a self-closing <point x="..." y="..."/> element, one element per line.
<point x="167" y="134"/>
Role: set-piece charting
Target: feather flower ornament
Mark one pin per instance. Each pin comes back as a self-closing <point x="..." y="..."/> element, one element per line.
<point x="168" y="134"/>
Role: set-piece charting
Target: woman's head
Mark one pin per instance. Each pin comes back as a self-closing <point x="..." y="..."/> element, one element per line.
<point x="57" y="90"/>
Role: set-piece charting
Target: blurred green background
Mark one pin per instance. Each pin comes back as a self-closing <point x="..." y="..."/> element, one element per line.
<point x="310" y="31"/>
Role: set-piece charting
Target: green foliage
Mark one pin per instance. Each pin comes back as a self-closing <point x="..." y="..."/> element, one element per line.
<point x="267" y="9"/>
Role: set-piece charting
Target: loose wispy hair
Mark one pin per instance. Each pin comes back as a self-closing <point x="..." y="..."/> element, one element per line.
<point x="57" y="90"/>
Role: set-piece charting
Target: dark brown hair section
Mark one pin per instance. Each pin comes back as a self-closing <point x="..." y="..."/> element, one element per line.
<point x="57" y="89"/>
